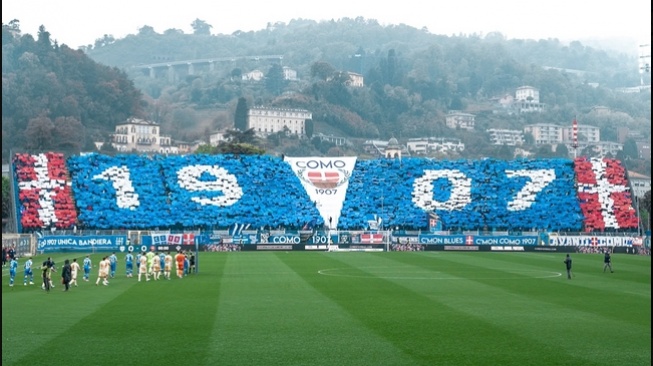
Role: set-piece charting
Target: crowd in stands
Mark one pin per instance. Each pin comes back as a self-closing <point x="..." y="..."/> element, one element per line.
<point x="406" y="247"/>
<point x="222" y="247"/>
<point x="201" y="191"/>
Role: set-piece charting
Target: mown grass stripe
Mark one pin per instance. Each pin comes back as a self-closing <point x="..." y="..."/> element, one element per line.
<point x="279" y="308"/>
<point x="484" y="302"/>
<point x="300" y="326"/>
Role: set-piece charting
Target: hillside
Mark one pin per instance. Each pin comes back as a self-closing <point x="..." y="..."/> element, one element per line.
<point x="411" y="80"/>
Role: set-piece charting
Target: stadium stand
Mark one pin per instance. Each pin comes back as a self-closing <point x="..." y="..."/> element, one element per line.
<point x="135" y="192"/>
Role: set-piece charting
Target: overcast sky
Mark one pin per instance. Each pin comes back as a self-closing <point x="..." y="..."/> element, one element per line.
<point x="81" y="22"/>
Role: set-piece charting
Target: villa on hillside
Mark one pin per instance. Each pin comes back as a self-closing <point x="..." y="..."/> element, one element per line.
<point x="266" y="121"/>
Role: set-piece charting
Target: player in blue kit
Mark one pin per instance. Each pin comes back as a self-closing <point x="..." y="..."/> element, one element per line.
<point x="13" y="265"/>
<point x="162" y="260"/>
<point x="129" y="264"/>
<point x="28" y="272"/>
<point x="113" y="264"/>
<point x="87" y="267"/>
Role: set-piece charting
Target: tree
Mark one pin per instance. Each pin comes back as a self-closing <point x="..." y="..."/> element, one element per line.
<point x="544" y="152"/>
<point x="309" y="127"/>
<point x="274" y="81"/>
<point x="236" y="74"/>
<point x="456" y="104"/>
<point x="239" y="149"/>
<point x="106" y="40"/>
<point x="38" y="134"/>
<point x="44" y="38"/>
<point x="505" y="152"/>
<point x="630" y="150"/>
<point x="146" y="30"/>
<point x="173" y="32"/>
<point x="206" y="149"/>
<point x="562" y="151"/>
<point x="107" y="148"/>
<point x="388" y="68"/>
<point x="644" y="204"/>
<point x="322" y="70"/>
<point x="240" y="118"/>
<point x="68" y="134"/>
<point x="241" y="137"/>
<point x="201" y="27"/>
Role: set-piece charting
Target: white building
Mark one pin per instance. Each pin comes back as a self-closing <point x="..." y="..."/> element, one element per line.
<point x="586" y="133"/>
<point x="527" y="94"/>
<point x="289" y="74"/>
<point x="506" y="137"/>
<point x="217" y="137"/>
<point x="336" y="140"/>
<point x="458" y="119"/>
<point x="254" y="75"/>
<point x="639" y="183"/>
<point x="604" y="148"/>
<point x="266" y="121"/>
<point x="545" y="133"/>
<point x="424" y="146"/>
<point x="140" y="135"/>
<point x="527" y="99"/>
<point x="355" y="80"/>
<point x="600" y="148"/>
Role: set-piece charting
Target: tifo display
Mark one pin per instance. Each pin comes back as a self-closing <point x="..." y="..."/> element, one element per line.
<point x="136" y="192"/>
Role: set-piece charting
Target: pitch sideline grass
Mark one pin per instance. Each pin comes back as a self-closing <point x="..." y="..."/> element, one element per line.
<point x="309" y="308"/>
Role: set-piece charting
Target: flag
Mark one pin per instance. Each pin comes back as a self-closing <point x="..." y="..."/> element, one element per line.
<point x="159" y="239"/>
<point x="371" y="238"/>
<point x="374" y="222"/>
<point x="309" y="225"/>
<point x="434" y="222"/>
<point x="174" y="239"/>
<point x="188" y="239"/>
<point x="237" y="229"/>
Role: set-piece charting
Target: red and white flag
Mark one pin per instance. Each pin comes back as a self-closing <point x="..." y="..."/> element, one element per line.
<point x="371" y="238"/>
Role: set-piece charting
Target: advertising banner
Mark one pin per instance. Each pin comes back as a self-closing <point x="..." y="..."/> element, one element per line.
<point x="589" y="240"/>
<point x="81" y="243"/>
<point x="477" y="240"/>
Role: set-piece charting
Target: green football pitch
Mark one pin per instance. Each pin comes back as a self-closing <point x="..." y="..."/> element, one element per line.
<point x="318" y="308"/>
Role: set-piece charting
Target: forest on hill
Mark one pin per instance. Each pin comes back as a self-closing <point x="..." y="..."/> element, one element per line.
<point x="412" y="79"/>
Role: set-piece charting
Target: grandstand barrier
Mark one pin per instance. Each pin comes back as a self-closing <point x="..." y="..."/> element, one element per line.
<point x="200" y="192"/>
<point x="262" y="240"/>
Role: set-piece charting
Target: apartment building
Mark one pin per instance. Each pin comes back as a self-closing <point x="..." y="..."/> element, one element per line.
<point x="545" y="133"/>
<point x="458" y="119"/>
<point x="506" y="137"/>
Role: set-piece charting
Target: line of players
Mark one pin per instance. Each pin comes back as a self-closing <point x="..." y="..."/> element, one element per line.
<point x="147" y="264"/>
<point x="155" y="264"/>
